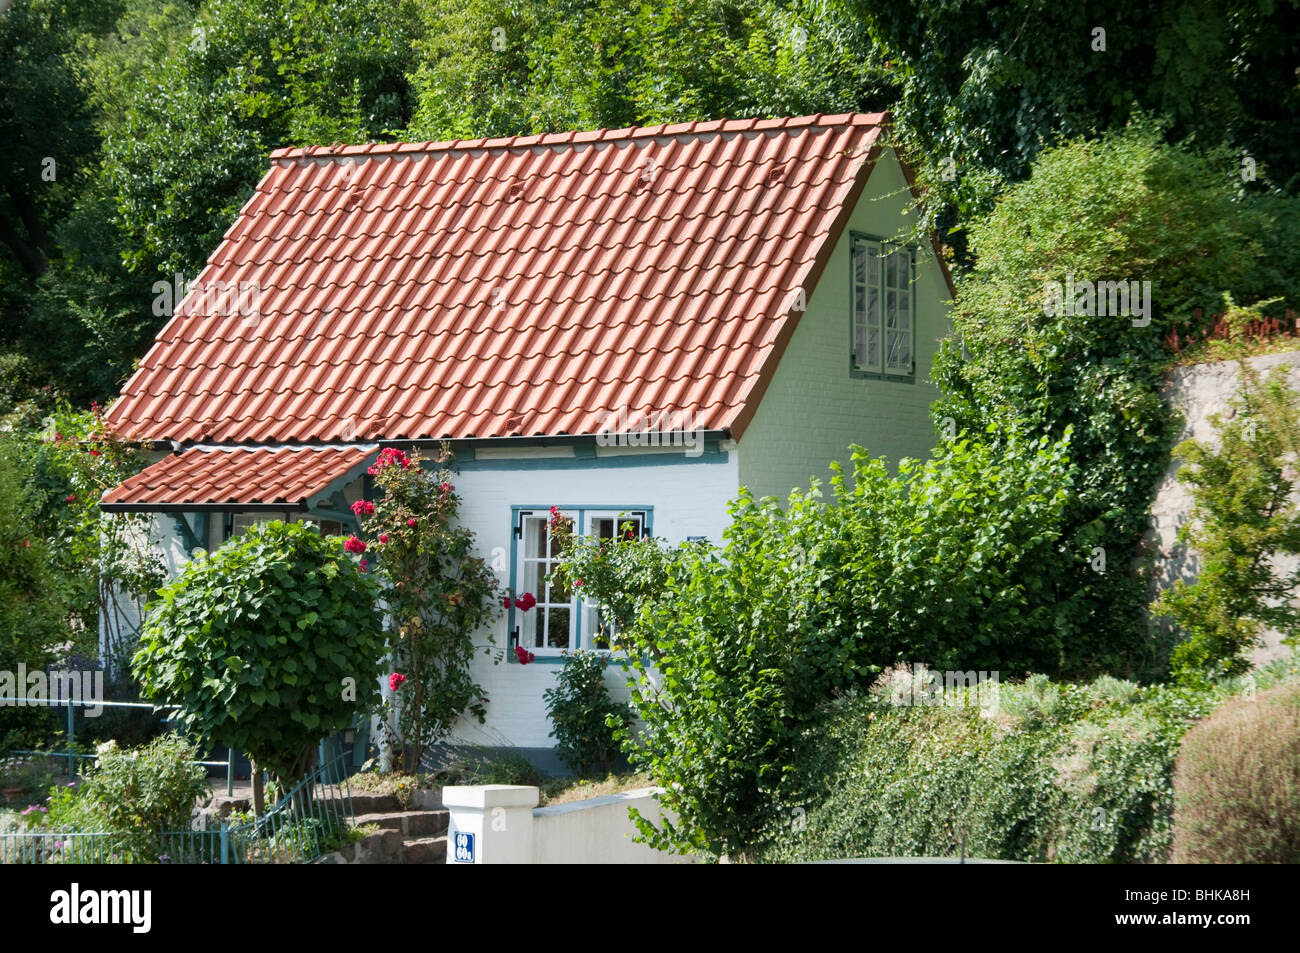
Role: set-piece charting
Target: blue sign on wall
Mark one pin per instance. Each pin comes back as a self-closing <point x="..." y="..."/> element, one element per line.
<point x="464" y="848"/>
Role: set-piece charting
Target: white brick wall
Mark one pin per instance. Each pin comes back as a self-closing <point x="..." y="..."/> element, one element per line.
<point x="813" y="409"/>
<point x="688" y="499"/>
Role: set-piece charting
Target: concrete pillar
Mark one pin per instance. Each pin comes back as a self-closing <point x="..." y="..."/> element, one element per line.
<point x="490" y="823"/>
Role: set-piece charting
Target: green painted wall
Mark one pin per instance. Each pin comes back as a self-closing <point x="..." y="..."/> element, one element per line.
<point x="814" y="408"/>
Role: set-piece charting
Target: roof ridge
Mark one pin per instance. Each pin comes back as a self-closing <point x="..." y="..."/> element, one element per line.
<point x="582" y="137"/>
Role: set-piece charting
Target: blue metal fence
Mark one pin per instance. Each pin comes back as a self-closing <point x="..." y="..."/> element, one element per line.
<point x="310" y="820"/>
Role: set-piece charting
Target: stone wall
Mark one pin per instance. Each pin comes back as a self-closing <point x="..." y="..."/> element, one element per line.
<point x="1197" y="392"/>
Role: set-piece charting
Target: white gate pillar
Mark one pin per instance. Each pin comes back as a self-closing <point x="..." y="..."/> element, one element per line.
<point x="490" y="823"/>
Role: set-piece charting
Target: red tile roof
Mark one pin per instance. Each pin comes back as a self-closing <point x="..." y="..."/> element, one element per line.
<point x="503" y="287"/>
<point x="258" y="476"/>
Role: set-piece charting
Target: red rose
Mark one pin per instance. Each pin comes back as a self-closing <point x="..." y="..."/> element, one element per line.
<point x="362" y="567"/>
<point x="354" y="545"/>
<point x="94" y="453"/>
<point x="411" y="521"/>
<point x="383" y="537"/>
<point x="577" y="584"/>
<point x="395" y="681"/>
<point x="523" y="655"/>
<point x="505" y="602"/>
<point x="525" y="602"/>
<point x="447" y="488"/>
<point x="363" y="508"/>
<point x="69" y="498"/>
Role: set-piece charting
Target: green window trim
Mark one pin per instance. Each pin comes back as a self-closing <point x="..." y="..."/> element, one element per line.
<point x="882" y="308"/>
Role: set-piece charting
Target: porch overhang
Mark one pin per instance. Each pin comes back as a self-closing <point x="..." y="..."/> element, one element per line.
<point x="246" y="479"/>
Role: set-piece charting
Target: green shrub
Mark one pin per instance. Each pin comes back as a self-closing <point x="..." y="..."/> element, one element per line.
<point x="584" y="717"/>
<point x="936" y="564"/>
<point x="1124" y="207"/>
<point x="1058" y="772"/>
<point x="1237" y="783"/>
<point x="267" y="645"/>
<point x="506" y="768"/>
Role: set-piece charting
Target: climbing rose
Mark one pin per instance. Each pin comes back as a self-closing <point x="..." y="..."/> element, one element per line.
<point x="505" y="602"/>
<point x="395" y="681"/>
<point x="523" y="655"/>
<point x="526" y="601"/>
<point x="447" y="488"/>
<point x="69" y="498"/>
<point x="390" y="456"/>
<point x="411" y="521"/>
<point x="354" y="545"/>
<point x="577" y="584"/>
<point x="383" y="537"/>
<point x="94" y="453"/>
<point x="362" y="567"/>
<point x="363" y="508"/>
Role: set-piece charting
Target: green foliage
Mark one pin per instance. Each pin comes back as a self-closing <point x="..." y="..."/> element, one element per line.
<point x="1237" y="783"/>
<point x="736" y="648"/>
<point x="500" y="67"/>
<point x="437" y="594"/>
<point x="584" y="717"/>
<point x="1244" y="515"/>
<point x="505" y="768"/>
<point x="1053" y="772"/>
<point x="989" y="84"/>
<point x="146" y="790"/>
<point x="267" y="645"/>
<point x="1122" y="208"/>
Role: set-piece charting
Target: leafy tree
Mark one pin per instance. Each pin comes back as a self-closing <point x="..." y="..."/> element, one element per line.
<point x="1126" y="208"/>
<point x="1244" y="516"/>
<point x="32" y="619"/>
<point x="733" y="649"/>
<point x="991" y="84"/>
<point x="496" y="68"/>
<point x="267" y="645"/>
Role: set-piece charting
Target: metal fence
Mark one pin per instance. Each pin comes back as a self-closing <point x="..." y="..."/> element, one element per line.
<point x="71" y="755"/>
<point x="309" y="821"/>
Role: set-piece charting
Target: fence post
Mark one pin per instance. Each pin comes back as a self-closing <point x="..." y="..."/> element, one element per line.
<point x="230" y="771"/>
<point x="225" y="842"/>
<point x="72" y="730"/>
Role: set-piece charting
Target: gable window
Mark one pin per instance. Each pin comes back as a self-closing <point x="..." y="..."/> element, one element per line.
<point x="883" y="335"/>
<point x="561" y="620"/>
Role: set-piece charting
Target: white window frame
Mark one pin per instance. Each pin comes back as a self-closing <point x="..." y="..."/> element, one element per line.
<point x="533" y="564"/>
<point x="882" y="317"/>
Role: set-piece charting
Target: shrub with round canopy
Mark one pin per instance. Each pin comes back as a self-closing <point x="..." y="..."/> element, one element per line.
<point x="269" y="644"/>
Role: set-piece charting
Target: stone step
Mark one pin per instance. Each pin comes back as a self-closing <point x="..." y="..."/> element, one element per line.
<point x="373" y="803"/>
<point x="410" y="823"/>
<point x="425" y="850"/>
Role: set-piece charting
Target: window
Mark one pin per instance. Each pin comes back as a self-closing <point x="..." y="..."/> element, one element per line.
<point x="883" y="330"/>
<point x="237" y="524"/>
<point x="561" y="620"/>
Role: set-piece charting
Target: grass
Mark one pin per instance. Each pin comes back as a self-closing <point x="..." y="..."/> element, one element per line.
<point x="568" y="790"/>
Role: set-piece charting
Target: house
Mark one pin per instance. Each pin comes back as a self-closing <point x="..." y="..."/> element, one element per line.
<point x="626" y="324"/>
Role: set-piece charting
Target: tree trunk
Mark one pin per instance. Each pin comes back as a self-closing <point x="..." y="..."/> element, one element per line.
<point x="259" y="791"/>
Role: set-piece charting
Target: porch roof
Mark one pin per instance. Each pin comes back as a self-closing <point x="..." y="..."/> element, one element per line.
<point x="244" y="478"/>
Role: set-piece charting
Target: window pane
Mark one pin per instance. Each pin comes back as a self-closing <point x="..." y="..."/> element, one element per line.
<point x="557" y="625"/>
<point x="534" y="537"/>
<point x="530" y="627"/>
